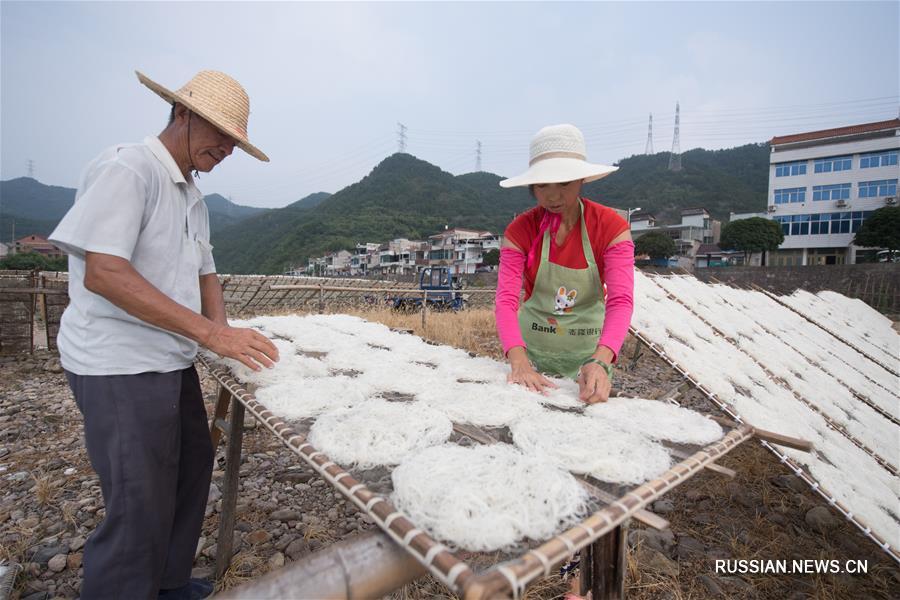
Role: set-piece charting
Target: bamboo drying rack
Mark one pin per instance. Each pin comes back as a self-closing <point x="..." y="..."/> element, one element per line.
<point x="769" y="443"/>
<point x="600" y="534"/>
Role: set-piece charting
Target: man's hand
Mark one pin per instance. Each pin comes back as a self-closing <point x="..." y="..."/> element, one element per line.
<point x="593" y="384"/>
<point x="246" y="345"/>
<point x="522" y="373"/>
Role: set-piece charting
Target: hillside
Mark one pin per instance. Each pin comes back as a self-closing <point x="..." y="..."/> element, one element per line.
<point x="311" y="201"/>
<point x="37" y="208"/>
<point x="402" y="197"/>
<point x="721" y="181"/>
<point x="407" y="197"/>
<point x="224" y="213"/>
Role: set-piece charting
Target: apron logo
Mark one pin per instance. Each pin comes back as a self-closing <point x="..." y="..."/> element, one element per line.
<point x="555" y="327"/>
<point x="564" y="301"/>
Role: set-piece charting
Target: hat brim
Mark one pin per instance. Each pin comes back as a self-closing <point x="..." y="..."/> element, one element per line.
<point x="171" y="97"/>
<point x="559" y="170"/>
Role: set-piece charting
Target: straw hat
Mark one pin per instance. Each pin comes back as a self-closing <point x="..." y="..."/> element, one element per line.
<point x="558" y="154"/>
<point x="217" y="98"/>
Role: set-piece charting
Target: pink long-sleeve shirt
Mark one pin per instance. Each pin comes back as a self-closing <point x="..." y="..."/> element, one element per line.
<point x="617" y="273"/>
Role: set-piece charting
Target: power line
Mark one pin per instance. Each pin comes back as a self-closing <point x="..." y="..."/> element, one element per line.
<point x="450" y="147"/>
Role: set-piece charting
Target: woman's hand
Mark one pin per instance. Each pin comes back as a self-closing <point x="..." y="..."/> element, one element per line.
<point x="593" y="380"/>
<point x="593" y="384"/>
<point x="522" y="373"/>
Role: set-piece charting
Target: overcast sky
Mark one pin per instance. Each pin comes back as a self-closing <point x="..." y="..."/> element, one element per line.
<point x="329" y="82"/>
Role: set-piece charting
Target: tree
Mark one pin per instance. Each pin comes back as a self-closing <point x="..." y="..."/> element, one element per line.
<point x="491" y="258"/>
<point x="655" y="244"/>
<point x="751" y="235"/>
<point x="32" y="261"/>
<point x="881" y="230"/>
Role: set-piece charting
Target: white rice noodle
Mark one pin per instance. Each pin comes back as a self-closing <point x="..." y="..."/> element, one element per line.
<point x="456" y="365"/>
<point x="832" y="356"/>
<point x="565" y="395"/>
<point x="584" y="444"/>
<point x="852" y="319"/>
<point x="817" y="387"/>
<point x="656" y="420"/>
<point x="393" y="375"/>
<point x="303" y="398"/>
<point x="854" y="477"/>
<point x="289" y="367"/>
<point x="485" y="405"/>
<point x="378" y="432"/>
<point x="486" y="498"/>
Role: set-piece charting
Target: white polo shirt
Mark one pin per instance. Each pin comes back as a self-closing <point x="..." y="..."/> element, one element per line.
<point x="132" y="202"/>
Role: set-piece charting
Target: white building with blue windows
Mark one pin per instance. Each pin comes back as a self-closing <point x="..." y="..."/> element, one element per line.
<point x="824" y="184"/>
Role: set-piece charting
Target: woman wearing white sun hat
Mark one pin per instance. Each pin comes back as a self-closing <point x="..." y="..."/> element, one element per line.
<point x="565" y="251"/>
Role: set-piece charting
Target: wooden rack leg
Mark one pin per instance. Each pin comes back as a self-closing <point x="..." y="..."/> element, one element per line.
<point x="43" y="300"/>
<point x="607" y="565"/>
<point x="636" y="355"/>
<point x="229" y="494"/>
<point x="586" y="570"/>
<point x="217" y="425"/>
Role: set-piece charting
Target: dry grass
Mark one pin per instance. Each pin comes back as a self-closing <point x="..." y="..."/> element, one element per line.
<point x="428" y="587"/>
<point x="68" y="511"/>
<point x="244" y="565"/>
<point x="471" y="329"/>
<point x="44" y="490"/>
<point x="14" y="551"/>
<point x="318" y="533"/>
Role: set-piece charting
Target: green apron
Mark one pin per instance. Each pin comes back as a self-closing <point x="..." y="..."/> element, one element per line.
<point x="561" y="321"/>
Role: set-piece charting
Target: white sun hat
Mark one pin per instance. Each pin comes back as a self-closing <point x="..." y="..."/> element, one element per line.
<point x="219" y="99"/>
<point x="558" y="154"/>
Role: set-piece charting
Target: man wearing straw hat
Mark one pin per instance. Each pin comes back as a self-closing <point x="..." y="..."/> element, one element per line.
<point x="143" y="295"/>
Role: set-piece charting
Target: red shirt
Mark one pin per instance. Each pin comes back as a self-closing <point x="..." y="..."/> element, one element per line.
<point x="603" y="225"/>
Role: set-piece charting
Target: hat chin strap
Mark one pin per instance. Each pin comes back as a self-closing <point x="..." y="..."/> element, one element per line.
<point x="191" y="166"/>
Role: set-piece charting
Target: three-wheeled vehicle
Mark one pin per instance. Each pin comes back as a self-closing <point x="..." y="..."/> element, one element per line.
<point x="443" y="291"/>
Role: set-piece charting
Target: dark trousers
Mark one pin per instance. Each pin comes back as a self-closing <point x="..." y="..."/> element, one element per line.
<point x="148" y="440"/>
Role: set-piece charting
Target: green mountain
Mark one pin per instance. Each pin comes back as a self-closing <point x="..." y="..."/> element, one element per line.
<point x="721" y="181"/>
<point x="29" y="206"/>
<point x="311" y="201"/>
<point x="255" y="236"/>
<point x="402" y="197"/>
<point x="407" y="197"/>
<point x="224" y="213"/>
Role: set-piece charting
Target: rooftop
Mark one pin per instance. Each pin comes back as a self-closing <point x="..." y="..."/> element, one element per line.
<point x="837" y="132"/>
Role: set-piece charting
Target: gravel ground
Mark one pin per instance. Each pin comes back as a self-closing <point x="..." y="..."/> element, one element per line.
<point x="50" y="502"/>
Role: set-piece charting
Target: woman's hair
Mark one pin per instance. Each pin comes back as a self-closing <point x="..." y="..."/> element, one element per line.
<point x="531" y="188"/>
